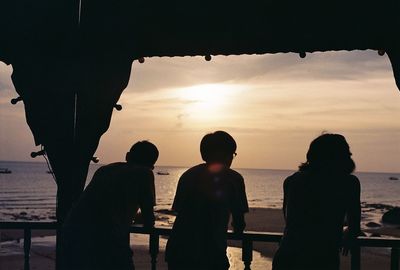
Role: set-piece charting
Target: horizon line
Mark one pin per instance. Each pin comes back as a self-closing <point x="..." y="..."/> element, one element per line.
<point x="184" y="166"/>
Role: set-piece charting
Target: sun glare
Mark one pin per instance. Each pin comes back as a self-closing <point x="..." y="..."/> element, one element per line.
<point x="203" y="101"/>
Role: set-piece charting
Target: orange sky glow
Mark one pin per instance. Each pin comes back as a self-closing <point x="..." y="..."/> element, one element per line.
<point x="273" y="105"/>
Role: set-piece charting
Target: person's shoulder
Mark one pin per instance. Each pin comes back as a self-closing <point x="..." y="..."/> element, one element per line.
<point x="105" y="169"/>
<point x="117" y="169"/>
<point x="139" y="170"/>
<point x="353" y="178"/>
<point x="112" y="166"/>
<point x="235" y="175"/>
<point x="297" y="176"/>
<point x="195" y="170"/>
<point x="353" y="181"/>
<point x="123" y="169"/>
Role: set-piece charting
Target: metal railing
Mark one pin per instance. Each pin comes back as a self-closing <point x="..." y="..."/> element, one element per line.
<point x="247" y="239"/>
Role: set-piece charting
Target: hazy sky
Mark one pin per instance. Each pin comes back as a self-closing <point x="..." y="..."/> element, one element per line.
<point x="273" y="105"/>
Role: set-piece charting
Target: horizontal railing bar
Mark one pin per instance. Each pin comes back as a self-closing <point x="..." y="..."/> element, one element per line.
<point x="250" y="235"/>
<point x="378" y="242"/>
<point x="34" y="225"/>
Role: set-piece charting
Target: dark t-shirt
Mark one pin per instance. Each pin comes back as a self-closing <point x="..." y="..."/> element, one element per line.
<point x="99" y="222"/>
<point x="204" y="201"/>
<point x="315" y="208"/>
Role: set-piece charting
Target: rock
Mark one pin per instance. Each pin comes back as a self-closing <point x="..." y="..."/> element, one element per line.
<point x="392" y="216"/>
<point x="373" y="225"/>
<point x="23" y="213"/>
<point x="166" y="212"/>
<point x="362" y="234"/>
<point x="378" y="206"/>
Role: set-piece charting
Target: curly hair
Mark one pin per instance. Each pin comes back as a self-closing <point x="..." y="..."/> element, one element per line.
<point x="329" y="152"/>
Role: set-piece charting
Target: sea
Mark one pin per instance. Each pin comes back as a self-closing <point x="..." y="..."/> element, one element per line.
<point x="29" y="192"/>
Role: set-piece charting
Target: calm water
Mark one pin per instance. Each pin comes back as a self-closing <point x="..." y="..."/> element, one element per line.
<point x="30" y="190"/>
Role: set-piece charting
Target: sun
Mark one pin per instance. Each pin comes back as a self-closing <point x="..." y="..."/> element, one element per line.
<point x="207" y="100"/>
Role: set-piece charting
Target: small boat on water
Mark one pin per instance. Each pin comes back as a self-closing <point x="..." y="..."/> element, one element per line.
<point x="162" y="173"/>
<point x="393" y="178"/>
<point x="5" y="170"/>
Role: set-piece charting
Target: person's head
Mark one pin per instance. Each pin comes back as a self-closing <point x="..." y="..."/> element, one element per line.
<point x="142" y="153"/>
<point x="329" y="152"/>
<point x="218" y="147"/>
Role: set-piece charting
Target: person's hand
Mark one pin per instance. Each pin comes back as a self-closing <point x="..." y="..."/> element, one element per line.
<point x="344" y="250"/>
<point x="139" y="218"/>
<point x="348" y="242"/>
<point x="237" y="231"/>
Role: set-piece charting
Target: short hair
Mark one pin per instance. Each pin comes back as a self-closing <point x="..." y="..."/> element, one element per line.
<point x="217" y="146"/>
<point x="329" y="151"/>
<point x="143" y="153"/>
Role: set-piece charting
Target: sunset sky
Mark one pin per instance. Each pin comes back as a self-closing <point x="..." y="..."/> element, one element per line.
<point x="273" y="105"/>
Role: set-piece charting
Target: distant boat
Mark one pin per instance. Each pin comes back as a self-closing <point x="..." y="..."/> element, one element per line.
<point x="4" y="170"/>
<point x="393" y="178"/>
<point x="162" y="173"/>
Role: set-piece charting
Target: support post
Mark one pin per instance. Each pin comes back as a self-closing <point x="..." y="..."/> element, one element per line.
<point x="394" y="259"/>
<point x="247" y="253"/>
<point x="355" y="258"/>
<point x="154" y="249"/>
<point x="27" y="247"/>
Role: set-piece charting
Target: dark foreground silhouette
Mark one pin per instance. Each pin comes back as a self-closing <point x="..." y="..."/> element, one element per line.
<point x="317" y="199"/>
<point x="206" y="196"/>
<point x="95" y="234"/>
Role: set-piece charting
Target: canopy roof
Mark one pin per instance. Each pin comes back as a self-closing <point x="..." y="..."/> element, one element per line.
<point x="179" y="27"/>
<point x="137" y="28"/>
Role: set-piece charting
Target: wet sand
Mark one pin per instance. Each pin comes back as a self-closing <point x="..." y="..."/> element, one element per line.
<point x="258" y="219"/>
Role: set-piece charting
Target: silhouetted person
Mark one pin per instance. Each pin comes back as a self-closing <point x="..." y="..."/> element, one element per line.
<point x="96" y="231"/>
<point x="317" y="199"/>
<point x="206" y="196"/>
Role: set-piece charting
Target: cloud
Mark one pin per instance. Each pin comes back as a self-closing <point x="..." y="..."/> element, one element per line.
<point x="180" y="117"/>
<point x="158" y="73"/>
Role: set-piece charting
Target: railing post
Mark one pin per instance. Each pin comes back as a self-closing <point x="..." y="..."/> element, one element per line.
<point x="154" y="249"/>
<point x="394" y="259"/>
<point x="355" y="258"/>
<point x="27" y="247"/>
<point x="247" y="252"/>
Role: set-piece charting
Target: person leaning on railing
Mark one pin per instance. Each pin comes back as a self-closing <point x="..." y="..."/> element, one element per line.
<point x="206" y="196"/>
<point x="317" y="199"/>
<point x="95" y="235"/>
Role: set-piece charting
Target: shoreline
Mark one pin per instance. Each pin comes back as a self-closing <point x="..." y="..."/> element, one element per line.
<point x="258" y="219"/>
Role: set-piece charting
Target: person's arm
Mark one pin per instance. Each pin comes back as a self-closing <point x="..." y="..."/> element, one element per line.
<point x="240" y="207"/>
<point x="148" y="200"/>
<point x="285" y="197"/>
<point x="181" y="191"/>
<point x="353" y="215"/>
<point x="354" y="209"/>
<point x="238" y="222"/>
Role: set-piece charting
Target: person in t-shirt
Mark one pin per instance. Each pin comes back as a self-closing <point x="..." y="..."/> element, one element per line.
<point x="95" y="234"/>
<point x="206" y="196"/>
<point x="317" y="201"/>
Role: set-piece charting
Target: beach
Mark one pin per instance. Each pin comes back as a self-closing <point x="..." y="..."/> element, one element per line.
<point x="258" y="219"/>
